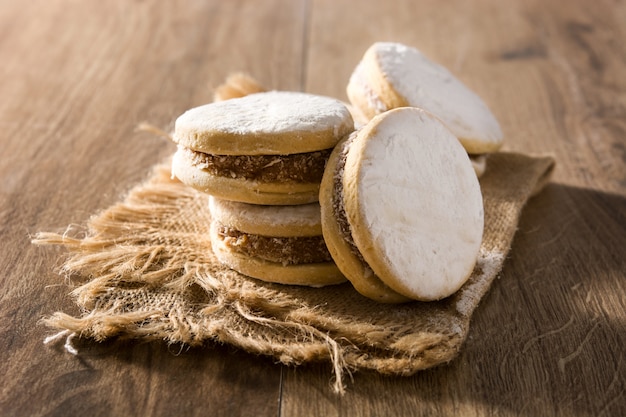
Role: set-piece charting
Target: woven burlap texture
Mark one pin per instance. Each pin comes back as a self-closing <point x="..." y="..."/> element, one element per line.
<point x="149" y="274"/>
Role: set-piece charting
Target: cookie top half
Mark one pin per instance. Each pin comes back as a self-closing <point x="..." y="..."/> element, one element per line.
<point x="413" y="203"/>
<point x="267" y="123"/>
<point x="398" y="75"/>
<point x="268" y="220"/>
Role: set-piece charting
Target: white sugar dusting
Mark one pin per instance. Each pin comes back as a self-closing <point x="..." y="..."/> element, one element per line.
<point x="359" y="83"/>
<point x="421" y="203"/>
<point x="268" y="112"/>
<point x="430" y="86"/>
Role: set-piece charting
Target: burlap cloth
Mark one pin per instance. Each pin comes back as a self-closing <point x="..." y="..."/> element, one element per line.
<point x="148" y="273"/>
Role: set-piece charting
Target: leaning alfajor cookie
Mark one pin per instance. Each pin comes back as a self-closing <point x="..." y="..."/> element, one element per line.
<point x="392" y="75"/>
<point x="264" y="148"/>
<point x="282" y="244"/>
<point x="402" y="210"/>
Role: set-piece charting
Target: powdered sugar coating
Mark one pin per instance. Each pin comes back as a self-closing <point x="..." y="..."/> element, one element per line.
<point x="270" y="112"/>
<point x="417" y="215"/>
<point x="274" y="122"/>
<point x="430" y="86"/>
<point x="358" y="82"/>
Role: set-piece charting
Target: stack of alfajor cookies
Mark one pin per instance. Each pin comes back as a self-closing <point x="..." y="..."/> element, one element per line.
<point x="261" y="157"/>
<point x="298" y="196"/>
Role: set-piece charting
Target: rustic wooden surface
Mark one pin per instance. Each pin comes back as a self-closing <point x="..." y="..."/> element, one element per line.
<point x="77" y="77"/>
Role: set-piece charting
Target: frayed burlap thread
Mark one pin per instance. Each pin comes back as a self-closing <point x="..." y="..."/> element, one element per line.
<point x="148" y="273"/>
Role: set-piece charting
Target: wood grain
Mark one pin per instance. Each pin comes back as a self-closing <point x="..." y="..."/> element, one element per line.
<point x="549" y="338"/>
<point x="78" y="77"/>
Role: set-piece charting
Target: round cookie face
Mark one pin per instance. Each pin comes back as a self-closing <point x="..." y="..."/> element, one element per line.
<point x="398" y="76"/>
<point x="414" y="204"/>
<point x="343" y="253"/>
<point x="265" y="220"/>
<point x="267" y="123"/>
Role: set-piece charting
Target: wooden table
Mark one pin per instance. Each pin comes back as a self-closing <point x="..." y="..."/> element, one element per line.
<point x="77" y="77"/>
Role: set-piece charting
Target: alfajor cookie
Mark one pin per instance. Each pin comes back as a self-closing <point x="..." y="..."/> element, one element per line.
<point x="281" y="244"/>
<point x="264" y="148"/>
<point x="392" y="75"/>
<point x="402" y="210"/>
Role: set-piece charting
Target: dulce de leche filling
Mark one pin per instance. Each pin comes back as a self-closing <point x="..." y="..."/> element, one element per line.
<point x="301" y="167"/>
<point x="337" y="201"/>
<point x="283" y="250"/>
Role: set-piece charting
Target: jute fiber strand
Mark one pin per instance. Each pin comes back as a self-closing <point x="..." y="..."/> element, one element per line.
<point x="149" y="274"/>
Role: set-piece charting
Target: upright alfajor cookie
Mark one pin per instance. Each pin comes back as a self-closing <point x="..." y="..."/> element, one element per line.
<point x="392" y="75"/>
<point x="264" y="148"/>
<point x="402" y="210"/>
<point x="282" y="244"/>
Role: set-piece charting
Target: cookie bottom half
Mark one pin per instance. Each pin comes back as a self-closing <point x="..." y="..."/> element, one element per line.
<point x="314" y="274"/>
<point x="240" y="189"/>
